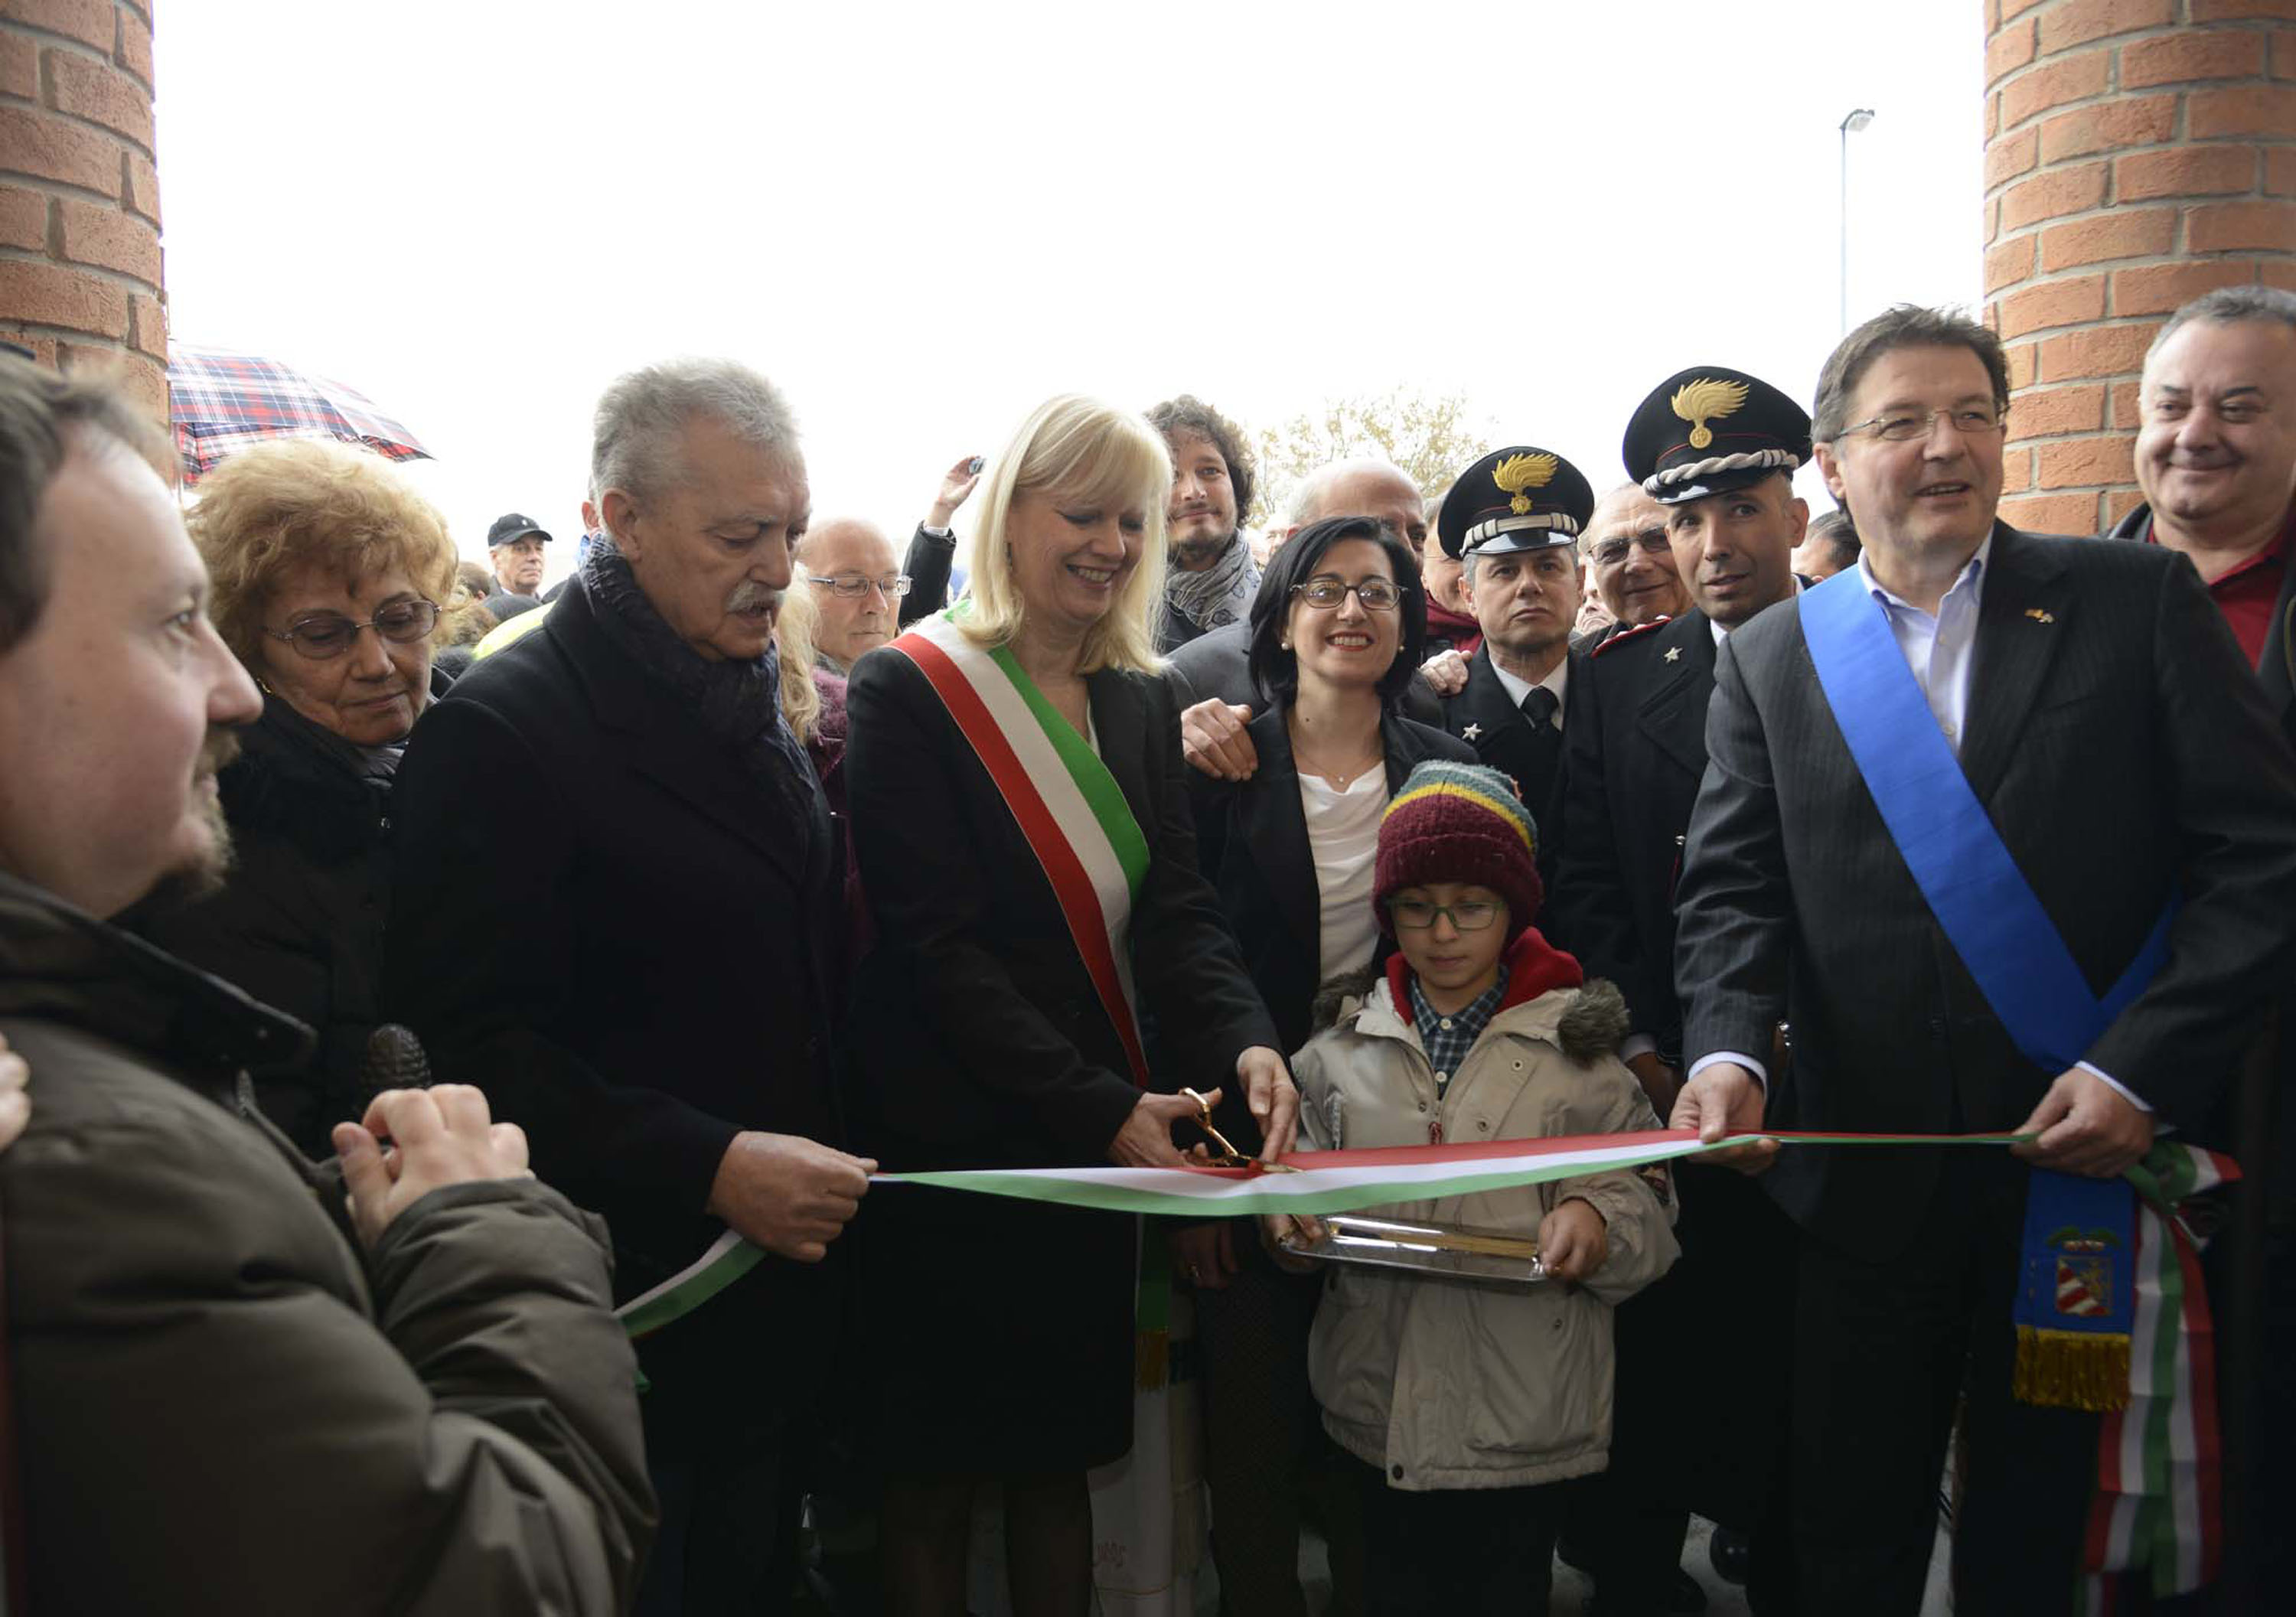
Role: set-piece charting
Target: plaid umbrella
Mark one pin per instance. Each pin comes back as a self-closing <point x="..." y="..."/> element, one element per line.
<point x="220" y="402"/>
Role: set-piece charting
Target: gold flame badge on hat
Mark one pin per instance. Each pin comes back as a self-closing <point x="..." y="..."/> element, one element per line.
<point x="1518" y="473"/>
<point x="1707" y="399"/>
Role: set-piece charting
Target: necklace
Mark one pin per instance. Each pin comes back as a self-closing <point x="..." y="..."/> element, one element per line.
<point x="1342" y="780"/>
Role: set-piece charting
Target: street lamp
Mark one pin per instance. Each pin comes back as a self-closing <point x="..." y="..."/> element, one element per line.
<point x="1856" y="120"/>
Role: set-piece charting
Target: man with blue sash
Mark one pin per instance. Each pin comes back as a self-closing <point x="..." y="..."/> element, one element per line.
<point x="1988" y="821"/>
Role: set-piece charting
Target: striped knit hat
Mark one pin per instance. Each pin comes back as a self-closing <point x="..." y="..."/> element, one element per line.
<point x="1459" y="822"/>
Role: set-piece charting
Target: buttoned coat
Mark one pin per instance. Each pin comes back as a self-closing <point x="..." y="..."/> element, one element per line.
<point x="1634" y="751"/>
<point x="604" y="921"/>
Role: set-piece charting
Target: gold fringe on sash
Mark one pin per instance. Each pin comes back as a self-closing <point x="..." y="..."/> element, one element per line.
<point x="2072" y="1369"/>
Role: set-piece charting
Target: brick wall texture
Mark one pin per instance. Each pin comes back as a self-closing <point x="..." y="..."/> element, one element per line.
<point x="2138" y="153"/>
<point x="80" y="280"/>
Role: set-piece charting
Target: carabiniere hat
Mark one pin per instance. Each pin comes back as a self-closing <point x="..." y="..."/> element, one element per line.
<point x="514" y="527"/>
<point x="1520" y="498"/>
<point x="1710" y="430"/>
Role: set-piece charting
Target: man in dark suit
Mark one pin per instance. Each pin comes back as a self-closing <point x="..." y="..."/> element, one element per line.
<point x="2087" y="692"/>
<point x="2216" y="458"/>
<point x="1638" y="747"/>
<point x="1714" y="450"/>
<point x="649" y="992"/>
<point x="1519" y="544"/>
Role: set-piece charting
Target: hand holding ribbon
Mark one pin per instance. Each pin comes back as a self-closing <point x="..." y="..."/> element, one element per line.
<point x="1724" y="1098"/>
<point x="2086" y="1127"/>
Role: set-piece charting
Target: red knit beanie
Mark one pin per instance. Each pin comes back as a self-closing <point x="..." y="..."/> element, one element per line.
<point x="1459" y="822"/>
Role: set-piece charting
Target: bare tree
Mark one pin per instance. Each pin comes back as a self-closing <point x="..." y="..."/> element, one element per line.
<point x="1432" y="436"/>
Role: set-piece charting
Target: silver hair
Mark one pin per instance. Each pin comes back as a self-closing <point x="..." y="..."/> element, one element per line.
<point x="634" y="441"/>
<point x="2229" y="305"/>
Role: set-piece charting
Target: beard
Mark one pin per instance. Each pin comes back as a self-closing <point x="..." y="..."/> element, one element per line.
<point x="1191" y="553"/>
<point x="202" y="874"/>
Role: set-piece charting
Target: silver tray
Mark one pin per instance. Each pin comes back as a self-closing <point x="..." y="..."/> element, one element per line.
<point x="1434" y="1251"/>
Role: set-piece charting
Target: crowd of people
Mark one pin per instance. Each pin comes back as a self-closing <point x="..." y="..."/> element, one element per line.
<point x="415" y="985"/>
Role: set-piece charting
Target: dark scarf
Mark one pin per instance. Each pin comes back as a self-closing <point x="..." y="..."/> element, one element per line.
<point x="1455" y="631"/>
<point x="738" y="703"/>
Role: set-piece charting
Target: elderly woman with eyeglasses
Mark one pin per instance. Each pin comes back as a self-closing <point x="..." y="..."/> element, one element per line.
<point x="329" y="574"/>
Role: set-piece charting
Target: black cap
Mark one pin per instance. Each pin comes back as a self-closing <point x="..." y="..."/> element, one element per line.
<point x="1519" y="498"/>
<point x="1710" y="430"/>
<point x="513" y="527"/>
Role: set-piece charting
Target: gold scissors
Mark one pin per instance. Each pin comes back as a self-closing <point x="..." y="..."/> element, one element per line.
<point x="1227" y="1156"/>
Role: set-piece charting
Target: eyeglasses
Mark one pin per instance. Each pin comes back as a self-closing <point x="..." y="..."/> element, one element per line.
<point x="1417" y="915"/>
<point x="328" y="635"/>
<point x="1610" y="552"/>
<point x="853" y="585"/>
<point x="1968" y="420"/>
<point x="1325" y="594"/>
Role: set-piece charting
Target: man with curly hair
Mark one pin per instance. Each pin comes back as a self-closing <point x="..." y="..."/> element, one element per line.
<point x="1212" y="577"/>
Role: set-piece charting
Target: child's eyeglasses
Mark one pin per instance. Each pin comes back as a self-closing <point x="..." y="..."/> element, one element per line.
<point x="1416" y="915"/>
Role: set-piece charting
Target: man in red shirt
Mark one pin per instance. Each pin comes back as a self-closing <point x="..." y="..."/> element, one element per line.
<point x="2216" y="458"/>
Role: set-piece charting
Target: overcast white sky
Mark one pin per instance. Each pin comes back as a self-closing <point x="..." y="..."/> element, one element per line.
<point x="921" y="220"/>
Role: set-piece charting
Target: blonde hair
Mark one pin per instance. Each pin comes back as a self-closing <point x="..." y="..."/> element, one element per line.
<point x="794" y="627"/>
<point x="298" y="502"/>
<point x="1074" y="448"/>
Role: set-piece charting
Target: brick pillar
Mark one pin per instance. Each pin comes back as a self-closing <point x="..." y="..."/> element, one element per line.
<point x="2138" y="153"/>
<point x="80" y="199"/>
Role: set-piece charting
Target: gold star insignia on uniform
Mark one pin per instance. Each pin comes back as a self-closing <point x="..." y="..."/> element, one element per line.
<point x="1518" y="473"/>
<point x="2038" y="616"/>
<point x="1471" y="733"/>
<point x="1673" y="653"/>
<point x="1708" y="398"/>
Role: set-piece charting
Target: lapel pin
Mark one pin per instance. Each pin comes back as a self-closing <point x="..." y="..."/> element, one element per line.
<point x="1673" y="653"/>
<point x="2038" y="616"/>
<point x="1470" y="733"/>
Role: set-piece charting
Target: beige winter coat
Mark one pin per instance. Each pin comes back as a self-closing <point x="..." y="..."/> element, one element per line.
<point x="1448" y="1383"/>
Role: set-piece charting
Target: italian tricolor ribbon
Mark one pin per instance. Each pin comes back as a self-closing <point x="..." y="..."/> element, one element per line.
<point x="2159" y="1462"/>
<point x="1310" y="1182"/>
<point x="1064" y="800"/>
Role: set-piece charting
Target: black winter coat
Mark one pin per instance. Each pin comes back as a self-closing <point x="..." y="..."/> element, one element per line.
<point x="300" y="922"/>
<point x="649" y="975"/>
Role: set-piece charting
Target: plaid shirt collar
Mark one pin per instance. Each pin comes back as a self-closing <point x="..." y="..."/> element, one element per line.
<point x="1446" y="1039"/>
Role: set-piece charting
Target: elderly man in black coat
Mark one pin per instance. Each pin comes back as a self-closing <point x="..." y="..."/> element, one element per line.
<point x="647" y="991"/>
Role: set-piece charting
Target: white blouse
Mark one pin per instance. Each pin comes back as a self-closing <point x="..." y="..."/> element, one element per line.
<point x="1343" y="837"/>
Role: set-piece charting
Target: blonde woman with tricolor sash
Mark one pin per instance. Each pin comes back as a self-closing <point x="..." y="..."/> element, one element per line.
<point x="1050" y="968"/>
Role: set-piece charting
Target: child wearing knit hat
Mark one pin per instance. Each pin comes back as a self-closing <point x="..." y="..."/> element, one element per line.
<point x="1470" y="1402"/>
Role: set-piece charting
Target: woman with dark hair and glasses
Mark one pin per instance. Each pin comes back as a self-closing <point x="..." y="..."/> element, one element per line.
<point x="329" y="574"/>
<point x="1338" y="630"/>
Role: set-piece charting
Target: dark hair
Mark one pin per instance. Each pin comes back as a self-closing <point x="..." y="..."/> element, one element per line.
<point x="1904" y="326"/>
<point x="1189" y="416"/>
<point x="2229" y="305"/>
<point x="1274" y="669"/>
<point x="1839" y="535"/>
<point x="43" y="416"/>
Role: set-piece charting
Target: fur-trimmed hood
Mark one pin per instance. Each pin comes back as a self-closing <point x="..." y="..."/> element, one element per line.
<point x="1593" y="1025"/>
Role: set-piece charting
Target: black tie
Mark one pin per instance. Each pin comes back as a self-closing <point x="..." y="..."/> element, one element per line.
<point x="1545" y="754"/>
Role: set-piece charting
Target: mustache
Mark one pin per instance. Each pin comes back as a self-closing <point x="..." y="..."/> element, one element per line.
<point x="749" y="594"/>
<point x="220" y="748"/>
